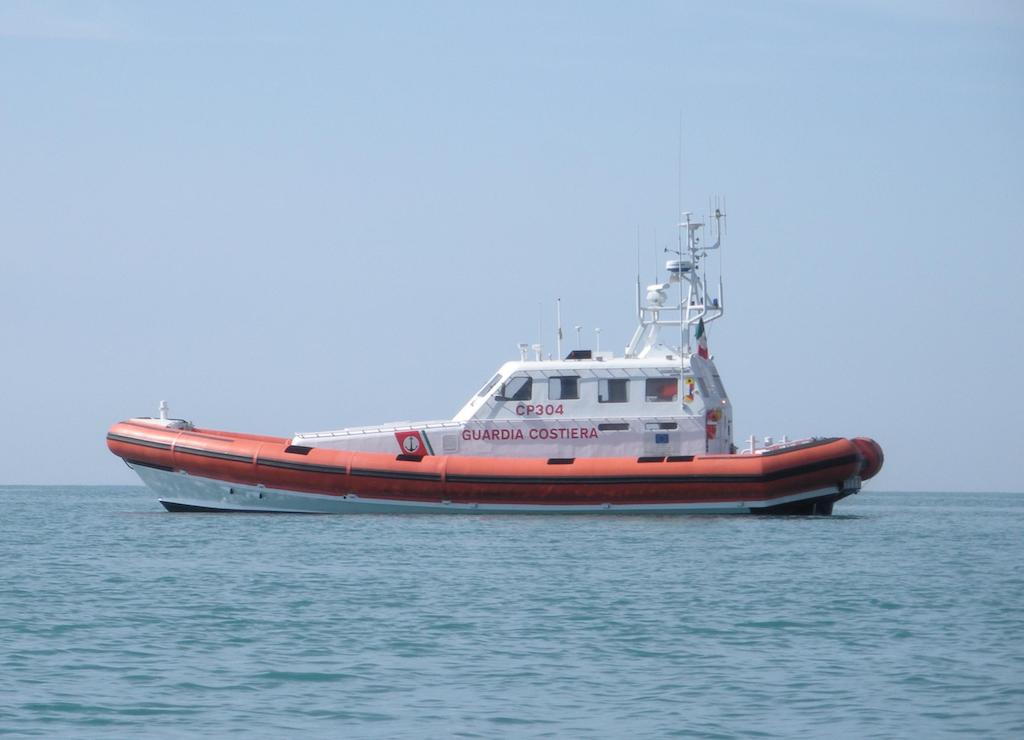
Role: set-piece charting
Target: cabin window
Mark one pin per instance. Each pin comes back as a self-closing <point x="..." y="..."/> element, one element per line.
<point x="517" y="389"/>
<point x="613" y="390"/>
<point x="490" y="384"/>
<point x="563" y="387"/>
<point x="652" y="426"/>
<point x="662" y="390"/>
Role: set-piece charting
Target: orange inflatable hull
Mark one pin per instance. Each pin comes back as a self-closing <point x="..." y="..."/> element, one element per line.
<point x="202" y="469"/>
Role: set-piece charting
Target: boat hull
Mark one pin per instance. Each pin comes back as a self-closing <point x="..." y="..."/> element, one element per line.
<point x="206" y="470"/>
<point x="180" y="492"/>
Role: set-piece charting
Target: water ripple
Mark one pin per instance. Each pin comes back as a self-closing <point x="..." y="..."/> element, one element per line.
<point x="904" y="615"/>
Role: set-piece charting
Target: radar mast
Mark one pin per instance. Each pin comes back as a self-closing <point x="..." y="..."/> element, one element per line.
<point x="695" y="303"/>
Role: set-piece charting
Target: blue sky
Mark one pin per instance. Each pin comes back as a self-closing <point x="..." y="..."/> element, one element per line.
<point x="290" y="216"/>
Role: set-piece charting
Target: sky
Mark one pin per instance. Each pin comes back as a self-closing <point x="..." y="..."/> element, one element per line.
<point x="287" y="217"/>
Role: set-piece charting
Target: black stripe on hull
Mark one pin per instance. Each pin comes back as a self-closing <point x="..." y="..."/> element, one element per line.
<point x="340" y="470"/>
<point x="179" y="449"/>
<point x="817" y="506"/>
<point x="302" y="467"/>
<point x="175" y="507"/>
<point x="140" y="442"/>
<point x="178" y="508"/>
<point x="398" y="475"/>
<point x="803" y="446"/>
<point x="139" y="463"/>
<point x="216" y="455"/>
<point x="617" y="480"/>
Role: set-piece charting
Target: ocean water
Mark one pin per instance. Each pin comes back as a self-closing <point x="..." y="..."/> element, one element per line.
<point x="901" y="616"/>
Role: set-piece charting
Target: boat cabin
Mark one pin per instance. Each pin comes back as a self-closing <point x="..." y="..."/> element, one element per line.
<point x="657" y="400"/>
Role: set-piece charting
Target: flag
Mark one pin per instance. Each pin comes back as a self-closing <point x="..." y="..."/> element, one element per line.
<point x="702" y="340"/>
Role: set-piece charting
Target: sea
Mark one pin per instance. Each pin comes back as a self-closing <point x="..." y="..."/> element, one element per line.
<point x="900" y="616"/>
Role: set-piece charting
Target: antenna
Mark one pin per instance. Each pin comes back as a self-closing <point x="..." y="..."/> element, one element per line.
<point x="721" y="226"/>
<point x="558" y="323"/>
<point x="639" y="312"/>
<point x="679" y="172"/>
<point x="578" y="330"/>
<point x="684" y="331"/>
<point x="538" y="347"/>
<point x="655" y="255"/>
<point x="721" y="258"/>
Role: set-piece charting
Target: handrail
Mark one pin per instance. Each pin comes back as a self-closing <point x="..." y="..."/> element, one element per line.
<point x="380" y="429"/>
<point x="447" y="424"/>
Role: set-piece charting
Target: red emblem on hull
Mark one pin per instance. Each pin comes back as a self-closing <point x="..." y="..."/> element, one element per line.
<point x="411" y="443"/>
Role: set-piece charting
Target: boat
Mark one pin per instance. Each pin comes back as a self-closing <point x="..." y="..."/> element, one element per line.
<point x="649" y="431"/>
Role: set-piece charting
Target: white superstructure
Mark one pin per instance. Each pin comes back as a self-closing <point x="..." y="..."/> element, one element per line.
<point x="662" y="397"/>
